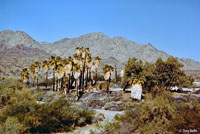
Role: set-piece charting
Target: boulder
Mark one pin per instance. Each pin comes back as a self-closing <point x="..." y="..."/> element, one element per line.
<point x="97" y="103"/>
<point x="98" y="117"/>
<point x="113" y="106"/>
<point x="136" y="91"/>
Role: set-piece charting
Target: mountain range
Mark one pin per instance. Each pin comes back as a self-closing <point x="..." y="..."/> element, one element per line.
<point x="114" y="50"/>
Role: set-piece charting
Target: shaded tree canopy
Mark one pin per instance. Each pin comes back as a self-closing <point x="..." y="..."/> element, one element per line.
<point x="164" y="74"/>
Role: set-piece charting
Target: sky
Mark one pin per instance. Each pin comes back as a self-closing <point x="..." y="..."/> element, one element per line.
<point x="169" y="25"/>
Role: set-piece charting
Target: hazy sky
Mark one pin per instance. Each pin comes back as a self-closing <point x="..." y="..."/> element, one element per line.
<point x="170" y="25"/>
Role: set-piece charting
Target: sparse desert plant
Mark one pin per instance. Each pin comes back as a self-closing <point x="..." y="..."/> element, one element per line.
<point x="156" y="115"/>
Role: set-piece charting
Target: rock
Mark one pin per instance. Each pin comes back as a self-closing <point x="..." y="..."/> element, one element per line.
<point x="187" y="97"/>
<point x="113" y="106"/>
<point x="98" y="117"/>
<point x="97" y="103"/>
<point x="82" y="106"/>
<point x="99" y="99"/>
<point x="136" y="92"/>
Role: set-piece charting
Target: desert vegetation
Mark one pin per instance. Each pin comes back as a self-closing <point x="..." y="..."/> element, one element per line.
<point x="21" y="113"/>
<point x="158" y="112"/>
<point x="79" y="72"/>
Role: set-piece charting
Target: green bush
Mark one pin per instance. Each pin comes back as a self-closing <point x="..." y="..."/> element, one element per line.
<point x="159" y="115"/>
<point x="21" y="108"/>
<point x="11" y="126"/>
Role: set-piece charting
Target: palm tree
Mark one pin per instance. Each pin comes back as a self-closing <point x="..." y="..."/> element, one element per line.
<point x="70" y="60"/>
<point x="89" y="65"/>
<point x="81" y="51"/>
<point x="37" y="68"/>
<point x="32" y="70"/>
<point x="107" y="69"/>
<point x="25" y="75"/>
<point x="115" y="74"/>
<point x="60" y="74"/>
<point x="84" y="56"/>
<point x="67" y="69"/>
<point x="93" y="69"/>
<point x="77" y="74"/>
<point x="58" y="62"/>
<point x="77" y="51"/>
<point x="75" y="59"/>
<point x="97" y="62"/>
<point x="45" y="66"/>
<point x="52" y="63"/>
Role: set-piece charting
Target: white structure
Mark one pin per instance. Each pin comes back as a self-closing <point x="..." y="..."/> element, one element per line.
<point x="174" y="88"/>
<point x="136" y="91"/>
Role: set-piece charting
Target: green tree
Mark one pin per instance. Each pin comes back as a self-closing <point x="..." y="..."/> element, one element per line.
<point x="162" y="74"/>
<point x="134" y="71"/>
<point x="169" y="73"/>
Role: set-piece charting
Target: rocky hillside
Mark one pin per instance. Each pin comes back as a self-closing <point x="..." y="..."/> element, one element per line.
<point x="112" y="50"/>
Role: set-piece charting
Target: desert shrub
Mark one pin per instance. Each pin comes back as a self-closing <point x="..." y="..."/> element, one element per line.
<point x="11" y="126"/>
<point x="13" y="91"/>
<point x="188" y="114"/>
<point x="21" y="108"/>
<point x="45" y="118"/>
<point x="156" y="115"/>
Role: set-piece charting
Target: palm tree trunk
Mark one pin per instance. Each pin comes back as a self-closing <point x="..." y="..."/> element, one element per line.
<point x="86" y="79"/>
<point x="84" y="71"/>
<point x="115" y="73"/>
<point x="53" y="79"/>
<point x="80" y="81"/>
<point x="68" y="83"/>
<point x="46" y="79"/>
<point x="108" y="85"/>
<point x="96" y="77"/>
<point x="37" y="79"/>
<point x="107" y="89"/>
<point x="83" y="79"/>
<point x="56" y="83"/>
<point x="33" y="79"/>
<point x="76" y="89"/>
<point x="61" y="83"/>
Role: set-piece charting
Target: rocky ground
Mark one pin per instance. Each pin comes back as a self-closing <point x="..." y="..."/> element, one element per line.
<point x="106" y="106"/>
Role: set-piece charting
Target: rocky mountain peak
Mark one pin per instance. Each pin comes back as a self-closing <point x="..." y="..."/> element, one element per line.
<point x="11" y="39"/>
<point x="95" y="36"/>
<point x="114" y="50"/>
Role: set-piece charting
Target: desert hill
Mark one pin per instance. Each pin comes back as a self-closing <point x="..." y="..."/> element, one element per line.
<point x="112" y="50"/>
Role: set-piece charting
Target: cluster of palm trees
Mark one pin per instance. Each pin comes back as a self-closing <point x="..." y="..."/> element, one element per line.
<point x="79" y="70"/>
